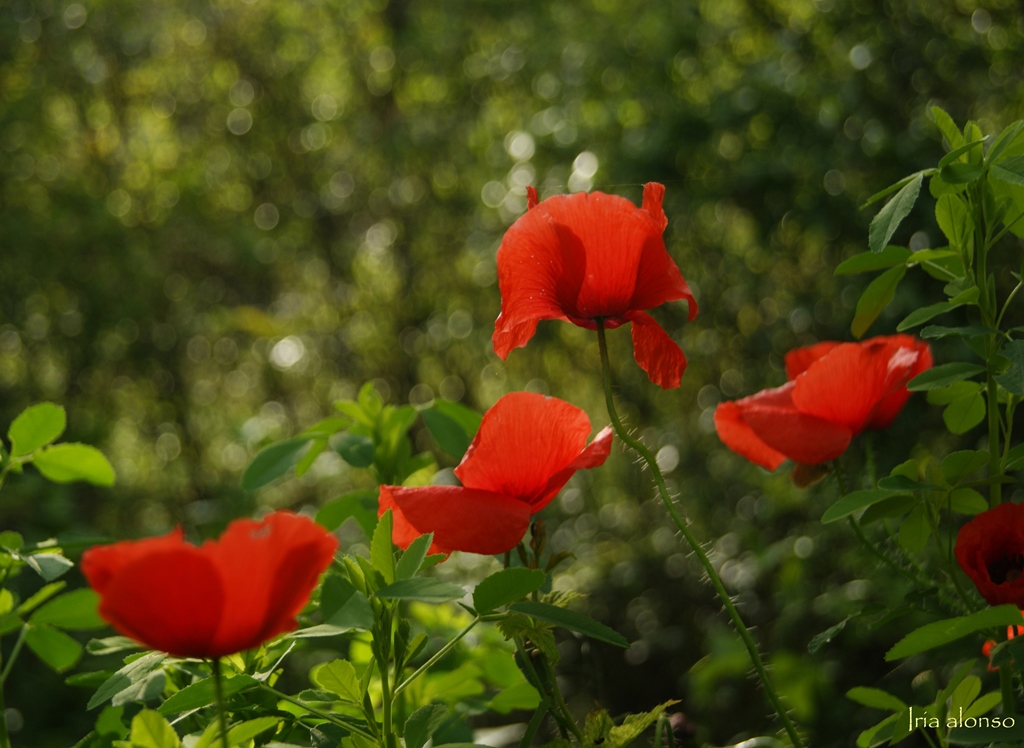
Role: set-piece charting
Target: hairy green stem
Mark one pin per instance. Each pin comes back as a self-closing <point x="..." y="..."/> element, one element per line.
<point x="681" y="524"/>
<point x="433" y="660"/>
<point x="533" y="726"/>
<point x="218" y="688"/>
<point x="565" y="722"/>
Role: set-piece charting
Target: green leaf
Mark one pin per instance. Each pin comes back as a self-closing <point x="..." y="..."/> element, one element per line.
<point x="48" y="565"/>
<point x="1012" y="380"/>
<point x="997" y="732"/>
<point x="1010" y="170"/>
<point x="960" y="173"/>
<point x="1015" y="458"/>
<point x="956" y="153"/>
<point x="382" y="554"/>
<point x="875" y="298"/>
<point x="506" y="586"/>
<point x="822" y="638"/>
<point x="53" y="646"/>
<point x="943" y="376"/>
<point x="943" y="632"/>
<point x="424" y="590"/>
<point x="955" y="220"/>
<point x="935" y="332"/>
<point x="135" y="672"/>
<point x="984" y="704"/>
<point x="897" y="186"/>
<point x="876" y="699"/>
<point x="339" y="677"/>
<point x="355" y="449"/>
<point x="40" y="597"/>
<point x="518" y="697"/>
<point x="412" y="557"/>
<point x="915" y="530"/>
<point x="36" y="427"/>
<point x="877" y="734"/>
<point x="900" y="482"/>
<point x="634" y="725"/>
<point x="453" y="426"/>
<point x="243" y="732"/>
<point x="343" y="607"/>
<point x="967" y="501"/>
<point x="957" y="465"/>
<point x="897" y="506"/>
<point x="271" y="462"/>
<point x="884" y="225"/>
<point x="361" y="504"/>
<point x="65" y="463"/>
<point x="867" y="262"/>
<point x="76" y="611"/>
<point x="947" y="127"/>
<point x="204" y="692"/>
<point x="111" y="645"/>
<point x="964" y="413"/>
<point x="151" y="730"/>
<point x="570" y="620"/>
<point x="854" y="502"/>
<point x="922" y="315"/>
<point x="314" y="451"/>
<point x="423" y="723"/>
<point x="1005" y="140"/>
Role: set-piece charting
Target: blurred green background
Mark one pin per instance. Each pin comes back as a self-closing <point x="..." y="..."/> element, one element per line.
<point x="218" y="217"/>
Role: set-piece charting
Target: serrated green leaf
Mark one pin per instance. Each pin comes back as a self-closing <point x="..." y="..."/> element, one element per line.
<point x="273" y="461"/>
<point x="36" y="427"/>
<point x="131" y="674"/>
<point x="423" y="723"/>
<point x="75" y="611"/>
<point x="876" y="297"/>
<point x="939" y="633"/>
<point x="69" y="462"/>
<point x="568" y="619"/>
<point x="1005" y="140"/>
<point x="151" y="730"/>
<point x="424" y="590"/>
<point x="876" y="699"/>
<point x="884" y="225"/>
<point x="355" y="449"/>
<point x="204" y="692"/>
<point x="505" y="587"/>
<point x="382" y="554"/>
<point x="412" y="558"/>
<point x="339" y="677"/>
<point x="854" y="502"/>
<point x="943" y="376"/>
<point x="53" y="646"/>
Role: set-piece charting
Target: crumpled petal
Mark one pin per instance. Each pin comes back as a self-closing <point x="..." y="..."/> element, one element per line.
<point x="655" y="352"/>
<point x="464" y="519"/>
<point x="593" y="455"/>
<point x="402" y="531"/>
<point x="737" y="435"/>
<point x="913" y="357"/>
<point x="523" y="440"/>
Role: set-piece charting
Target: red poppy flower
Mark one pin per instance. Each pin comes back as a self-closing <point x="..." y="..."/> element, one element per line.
<point x="582" y="257"/>
<point x="527" y="448"/>
<point x="216" y="599"/>
<point x="990" y="550"/>
<point x="836" y="391"/>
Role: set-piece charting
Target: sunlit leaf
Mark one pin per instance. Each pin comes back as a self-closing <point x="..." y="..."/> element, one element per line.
<point x="36" y="427"/>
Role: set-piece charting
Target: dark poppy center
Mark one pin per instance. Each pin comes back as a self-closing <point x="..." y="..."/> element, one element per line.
<point x="1007" y="568"/>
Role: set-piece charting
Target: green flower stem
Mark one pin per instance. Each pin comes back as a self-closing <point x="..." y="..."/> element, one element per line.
<point x="5" y="740"/>
<point x="1006" y="688"/>
<point x="15" y="651"/>
<point x="332" y="718"/>
<point x="533" y="726"/>
<point x="218" y="688"/>
<point x="556" y="707"/>
<point x="437" y="656"/>
<point x="681" y="524"/>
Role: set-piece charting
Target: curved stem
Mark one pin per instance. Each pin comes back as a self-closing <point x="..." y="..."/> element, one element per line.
<point x="332" y="718"/>
<point x="15" y="651"/>
<point x="433" y="660"/>
<point x="681" y="524"/>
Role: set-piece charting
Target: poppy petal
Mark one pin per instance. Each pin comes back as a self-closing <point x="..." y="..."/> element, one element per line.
<point x="465" y="519"/>
<point x="846" y="385"/>
<point x="737" y="435"/>
<point x="915" y="358"/>
<point x="269" y="569"/>
<point x="593" y="455"/>
<point x="798" y="359"/>
<point x="169" y="599"/>
<point x="992" y="544"/>
<point x="102" y="563"/>
<point x="523" y="440"/>
<point x="655" y="352"/>
<point x="402" y="531"/>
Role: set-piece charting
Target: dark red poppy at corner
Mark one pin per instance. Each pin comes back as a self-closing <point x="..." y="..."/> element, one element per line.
<point x="836" y="390"/>
<point x="586" y="256"/>
<point x="990" y="550"/>
<point x="213" y="600"/>
<point x="527" y="448"/>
